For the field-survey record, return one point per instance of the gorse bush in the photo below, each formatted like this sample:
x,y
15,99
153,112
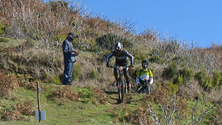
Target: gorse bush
x,y
2,28
208,82
172,70
178,80
173,88
201,76
187,75
216,79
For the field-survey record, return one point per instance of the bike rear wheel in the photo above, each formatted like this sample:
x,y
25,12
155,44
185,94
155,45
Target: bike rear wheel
x,y
121,90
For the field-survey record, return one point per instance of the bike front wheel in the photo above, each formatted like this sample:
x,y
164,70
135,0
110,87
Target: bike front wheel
x,y
121,90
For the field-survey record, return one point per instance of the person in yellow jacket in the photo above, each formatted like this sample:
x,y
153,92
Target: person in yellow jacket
x,y
144,78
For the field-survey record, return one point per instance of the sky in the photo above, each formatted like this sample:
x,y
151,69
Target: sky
x,y
194,21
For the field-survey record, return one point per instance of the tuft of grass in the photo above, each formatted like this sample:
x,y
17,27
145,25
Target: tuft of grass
x,y
56,79
76,71
94,74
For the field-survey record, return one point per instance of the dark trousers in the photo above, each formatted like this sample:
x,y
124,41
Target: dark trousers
x,y
67,75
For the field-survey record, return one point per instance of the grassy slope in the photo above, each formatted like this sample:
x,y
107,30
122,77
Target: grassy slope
x,y
63,111
60,112
70,112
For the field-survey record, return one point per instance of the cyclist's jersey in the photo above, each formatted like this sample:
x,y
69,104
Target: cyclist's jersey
x,y
121,58
144,73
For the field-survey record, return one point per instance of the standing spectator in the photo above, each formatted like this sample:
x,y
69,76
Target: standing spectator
x,y
69,58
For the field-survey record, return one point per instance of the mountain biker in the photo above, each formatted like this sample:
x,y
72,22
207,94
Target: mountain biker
x,y
121,60
144,75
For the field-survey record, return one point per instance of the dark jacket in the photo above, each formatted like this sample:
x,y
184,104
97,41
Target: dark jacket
x,y
121,58
69,55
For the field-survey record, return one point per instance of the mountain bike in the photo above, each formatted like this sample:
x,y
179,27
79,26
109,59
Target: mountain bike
x,y
121,82
144,88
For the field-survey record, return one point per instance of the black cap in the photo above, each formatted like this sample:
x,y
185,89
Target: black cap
x,y
75,36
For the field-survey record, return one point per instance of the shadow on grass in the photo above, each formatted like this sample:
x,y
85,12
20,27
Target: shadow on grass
x,y
113,95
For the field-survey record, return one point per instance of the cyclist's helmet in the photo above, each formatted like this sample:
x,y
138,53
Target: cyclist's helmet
x,y
118,47
145,64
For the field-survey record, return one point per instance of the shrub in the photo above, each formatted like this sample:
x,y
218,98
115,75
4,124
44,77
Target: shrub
x,y
178,80
2,28
216,79
61,36
208,82
3,39
201,76
221,78
172,70
76,72
107,41
139,57
173,88
180,60
155,59
187,75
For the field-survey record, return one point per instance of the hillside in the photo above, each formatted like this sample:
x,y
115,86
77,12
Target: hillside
x,y
31,36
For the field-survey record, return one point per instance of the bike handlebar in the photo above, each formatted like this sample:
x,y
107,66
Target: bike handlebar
x,y
119,66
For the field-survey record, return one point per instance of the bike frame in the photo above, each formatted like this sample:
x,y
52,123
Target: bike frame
x,y
148,88
121,82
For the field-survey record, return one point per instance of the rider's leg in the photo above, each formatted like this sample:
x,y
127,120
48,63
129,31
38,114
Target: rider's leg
x,y
116,75
126,74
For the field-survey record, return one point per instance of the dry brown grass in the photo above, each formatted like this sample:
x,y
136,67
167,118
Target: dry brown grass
x,y
12,115
36,62
63,94
21,108
159,96
26,107
7,84
100,96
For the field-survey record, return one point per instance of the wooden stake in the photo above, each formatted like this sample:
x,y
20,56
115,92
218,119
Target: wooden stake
x,y
38,100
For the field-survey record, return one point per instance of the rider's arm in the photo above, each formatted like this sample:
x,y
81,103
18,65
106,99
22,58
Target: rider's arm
x,y
137,77
151,77
130,56
108,57
151,80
